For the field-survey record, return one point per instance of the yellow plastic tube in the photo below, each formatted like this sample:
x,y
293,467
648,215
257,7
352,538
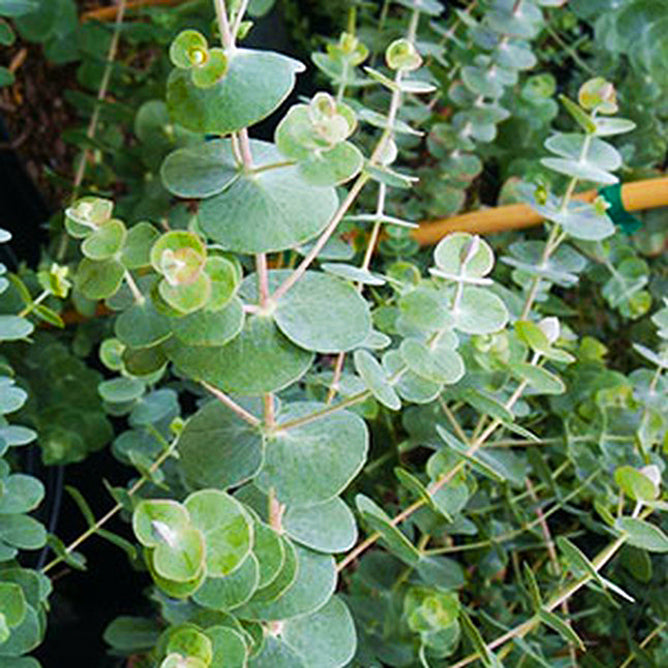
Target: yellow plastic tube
x,y
647,194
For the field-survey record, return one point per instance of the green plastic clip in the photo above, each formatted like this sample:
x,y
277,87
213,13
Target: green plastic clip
x,y
617,213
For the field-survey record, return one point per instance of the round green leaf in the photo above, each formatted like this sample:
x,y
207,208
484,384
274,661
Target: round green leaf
x,y
311,589
425,309
132,633
151,516
256,83
187,297
144,361
333,167
22,531
322,313
259,360
158,406
480,312
324,527
14,327
314,462
352,273
282,579
229,647
228,534
142,326
409,385
279,208
276,654
224,276
579,220
137,250
180,557
121,390
24,638
325,638
375,378
179,590
441,572
99,280
199,171
106,241
439,365
12,603
189,642
218,449
451,253
210,328
606,127
230,591
21,494
270,552
212,70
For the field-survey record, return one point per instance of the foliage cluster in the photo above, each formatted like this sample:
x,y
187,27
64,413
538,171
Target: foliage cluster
x,y
291,378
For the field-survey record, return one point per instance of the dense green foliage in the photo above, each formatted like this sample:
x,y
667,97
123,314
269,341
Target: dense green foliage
x,y
349,450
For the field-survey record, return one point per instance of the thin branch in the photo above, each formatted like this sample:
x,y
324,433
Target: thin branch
x,y
515,533
276,510
239,18
569,49
435,486
244,144
324,238
101,95
134,288
336,378
262,278
269,417
119,506
599,561
231,404
224,24
110,13
655,632
298,422
452,419
526,627
95,118
554,559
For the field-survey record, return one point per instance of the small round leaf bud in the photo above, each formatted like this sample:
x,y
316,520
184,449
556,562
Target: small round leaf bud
x,y
598,94
402,55
189,49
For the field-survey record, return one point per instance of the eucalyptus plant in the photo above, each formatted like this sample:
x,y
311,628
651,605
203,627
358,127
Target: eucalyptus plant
x,y
343,459
24,591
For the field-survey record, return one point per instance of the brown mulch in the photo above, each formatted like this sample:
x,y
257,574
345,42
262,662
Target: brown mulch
x,y
35,113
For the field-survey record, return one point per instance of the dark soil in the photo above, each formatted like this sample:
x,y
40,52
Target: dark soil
x,y
35,115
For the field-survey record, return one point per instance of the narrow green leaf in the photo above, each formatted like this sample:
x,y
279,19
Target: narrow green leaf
x,y
532,585
561,627
414,486
462,451
82,504
643,534
472,633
